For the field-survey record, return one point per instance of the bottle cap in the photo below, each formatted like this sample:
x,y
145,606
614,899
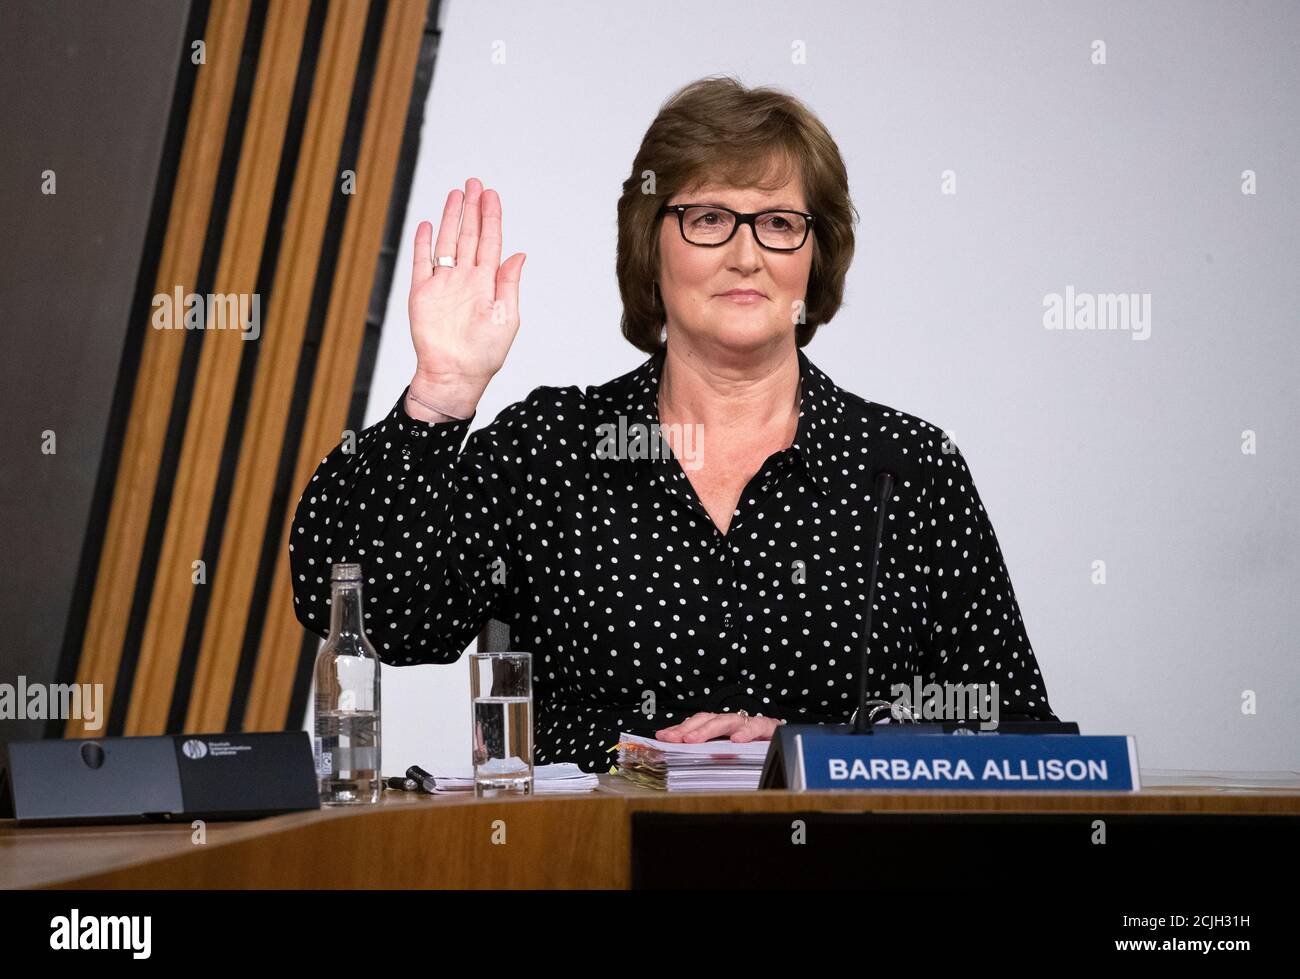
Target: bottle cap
x,y
345,572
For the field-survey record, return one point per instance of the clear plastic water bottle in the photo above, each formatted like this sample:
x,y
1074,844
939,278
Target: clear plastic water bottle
x,y
347,699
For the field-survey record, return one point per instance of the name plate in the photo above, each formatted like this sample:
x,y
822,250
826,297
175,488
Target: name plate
x,y
1034,762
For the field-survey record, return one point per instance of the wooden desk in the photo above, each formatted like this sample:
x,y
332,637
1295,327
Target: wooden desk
x,y
552,841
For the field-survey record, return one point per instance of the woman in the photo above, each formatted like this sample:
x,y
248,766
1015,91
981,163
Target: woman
x,y
716,590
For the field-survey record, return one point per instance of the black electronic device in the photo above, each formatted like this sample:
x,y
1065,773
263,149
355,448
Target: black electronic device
x,y
163,778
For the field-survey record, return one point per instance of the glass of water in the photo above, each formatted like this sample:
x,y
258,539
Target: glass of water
x,y
501,696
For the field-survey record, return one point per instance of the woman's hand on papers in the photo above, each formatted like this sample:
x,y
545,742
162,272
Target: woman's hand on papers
x,y
706,727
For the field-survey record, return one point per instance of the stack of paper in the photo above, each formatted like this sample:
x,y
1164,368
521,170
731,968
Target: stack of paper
x,y
707,766
560,777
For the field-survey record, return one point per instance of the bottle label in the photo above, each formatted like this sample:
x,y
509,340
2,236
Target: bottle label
x,y
356,681
324,759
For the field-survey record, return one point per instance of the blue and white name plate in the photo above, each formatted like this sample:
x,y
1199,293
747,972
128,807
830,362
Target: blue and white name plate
x,y
1008,762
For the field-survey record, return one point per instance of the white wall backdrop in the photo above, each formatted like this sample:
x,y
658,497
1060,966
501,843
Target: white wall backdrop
x,y
1123,177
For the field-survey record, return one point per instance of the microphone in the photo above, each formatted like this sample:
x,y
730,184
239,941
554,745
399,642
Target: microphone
x,y
884,489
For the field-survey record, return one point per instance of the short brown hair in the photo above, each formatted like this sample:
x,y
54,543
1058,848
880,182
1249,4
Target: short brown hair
x,y
716,128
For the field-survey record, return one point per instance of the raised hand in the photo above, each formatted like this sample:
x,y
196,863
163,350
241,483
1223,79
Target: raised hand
x,y
463,318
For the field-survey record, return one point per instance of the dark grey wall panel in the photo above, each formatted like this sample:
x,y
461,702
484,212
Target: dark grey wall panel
x,y
85,91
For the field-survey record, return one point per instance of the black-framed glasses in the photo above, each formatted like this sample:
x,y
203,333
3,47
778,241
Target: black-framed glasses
x,y
711,225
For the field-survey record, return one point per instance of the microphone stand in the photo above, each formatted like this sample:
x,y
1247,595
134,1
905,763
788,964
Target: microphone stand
x,y
782,767
884,490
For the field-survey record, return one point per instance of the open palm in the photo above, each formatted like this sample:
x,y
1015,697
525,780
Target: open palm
x,y
463,319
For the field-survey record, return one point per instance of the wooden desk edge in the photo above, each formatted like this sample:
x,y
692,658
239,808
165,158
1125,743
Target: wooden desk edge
x,y
117,856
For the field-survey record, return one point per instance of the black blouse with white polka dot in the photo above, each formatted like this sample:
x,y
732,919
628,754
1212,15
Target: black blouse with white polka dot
x,y
637,610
